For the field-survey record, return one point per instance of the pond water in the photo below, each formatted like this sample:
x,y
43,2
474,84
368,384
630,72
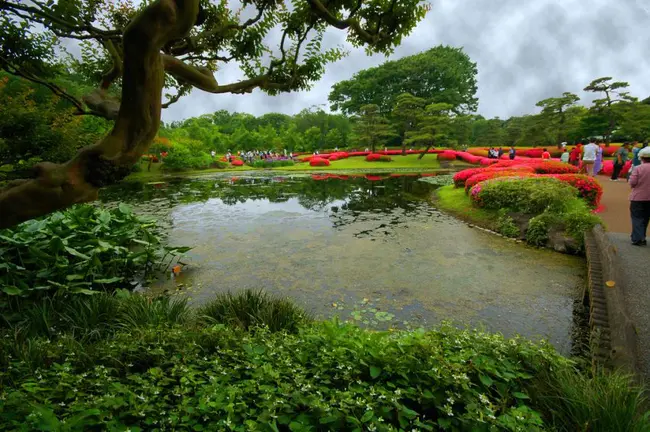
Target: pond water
x,y
372,249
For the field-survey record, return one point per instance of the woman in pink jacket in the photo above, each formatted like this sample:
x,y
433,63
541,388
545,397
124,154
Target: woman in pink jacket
x,y
640,198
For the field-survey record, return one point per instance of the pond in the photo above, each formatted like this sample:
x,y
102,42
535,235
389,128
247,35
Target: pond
x,y
368,248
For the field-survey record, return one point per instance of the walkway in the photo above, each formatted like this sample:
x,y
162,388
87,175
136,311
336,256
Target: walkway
x,y
635,261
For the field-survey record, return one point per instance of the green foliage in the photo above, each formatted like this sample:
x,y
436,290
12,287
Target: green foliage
x,y
507,226
537,232
272,163
527,195
433,126
181,158
601,402
249,309
372,128
322,376
440,75
80,250
35,124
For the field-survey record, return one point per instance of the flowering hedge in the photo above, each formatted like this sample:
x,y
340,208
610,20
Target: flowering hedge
x,y
237,162
588,187
462,176
490,174
447,156
554,168
529,195
318,161
376,157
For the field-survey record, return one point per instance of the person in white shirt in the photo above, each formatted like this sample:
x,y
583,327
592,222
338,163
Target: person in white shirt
x,y
589,153
565,156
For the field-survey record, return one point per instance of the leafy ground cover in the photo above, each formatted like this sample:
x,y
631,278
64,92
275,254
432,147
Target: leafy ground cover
x,y
127,362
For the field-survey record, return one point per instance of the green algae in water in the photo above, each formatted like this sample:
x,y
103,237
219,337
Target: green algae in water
x,y
339,241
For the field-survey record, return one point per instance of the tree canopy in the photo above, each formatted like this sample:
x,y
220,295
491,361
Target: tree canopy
x,y
440,75
168,44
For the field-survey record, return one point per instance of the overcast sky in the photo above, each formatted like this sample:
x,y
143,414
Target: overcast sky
x,y
526,50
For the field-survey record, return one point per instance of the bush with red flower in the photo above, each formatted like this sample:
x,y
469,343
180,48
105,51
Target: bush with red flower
x,y
237,162
375,157
491,174
447,155
462,176
319,161
554,168
588,187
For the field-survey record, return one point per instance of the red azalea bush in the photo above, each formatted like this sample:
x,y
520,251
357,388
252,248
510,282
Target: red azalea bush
x,y
447,156
334,158
610,150
376,157
373,157
491,174
608,168
588,187
237,162
373,177
318,161
478,152
554,168
462,176
534,153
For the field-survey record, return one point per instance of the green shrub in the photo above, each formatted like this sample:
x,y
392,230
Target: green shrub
x,y
507,226
80,250
384,158
218,164
527,195
578,219
249,309
537,232
272,163
182,158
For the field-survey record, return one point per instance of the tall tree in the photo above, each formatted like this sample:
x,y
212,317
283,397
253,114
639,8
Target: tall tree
x,y
405,114
612,96
434,125
372,128
175,44
554,113
442,74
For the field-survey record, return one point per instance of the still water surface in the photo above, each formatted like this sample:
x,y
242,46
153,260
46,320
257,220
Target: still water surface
x,y
339,246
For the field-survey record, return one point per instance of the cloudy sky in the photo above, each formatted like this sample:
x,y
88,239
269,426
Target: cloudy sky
x,y
526,50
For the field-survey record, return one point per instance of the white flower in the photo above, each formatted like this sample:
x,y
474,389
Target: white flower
x,y
483,399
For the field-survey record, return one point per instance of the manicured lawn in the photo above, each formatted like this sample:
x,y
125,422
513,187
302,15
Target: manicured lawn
x,y
427,163
454,201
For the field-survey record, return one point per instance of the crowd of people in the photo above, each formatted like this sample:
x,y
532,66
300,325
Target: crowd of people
x,y
253,155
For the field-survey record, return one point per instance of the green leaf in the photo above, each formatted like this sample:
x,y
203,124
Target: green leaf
x,y
328,419
12,290
83,291
76,253
74,277
486,380
375,371
124,208
520,395
108,280
367,416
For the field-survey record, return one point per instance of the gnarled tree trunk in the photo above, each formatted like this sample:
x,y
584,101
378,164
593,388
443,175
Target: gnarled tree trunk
x,y
57,186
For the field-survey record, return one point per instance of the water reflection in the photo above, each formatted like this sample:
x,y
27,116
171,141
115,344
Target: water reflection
x,y
333,243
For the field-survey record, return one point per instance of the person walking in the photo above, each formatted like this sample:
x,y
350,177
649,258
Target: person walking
x,y
565,156
620,157
598,165
512,153
636,160
640,199
589,157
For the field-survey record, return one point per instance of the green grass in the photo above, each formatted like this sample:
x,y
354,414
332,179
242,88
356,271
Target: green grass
x,y
454,201
427,163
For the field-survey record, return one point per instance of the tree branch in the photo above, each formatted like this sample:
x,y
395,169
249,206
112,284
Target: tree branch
x,y
321,11
109,160
14,70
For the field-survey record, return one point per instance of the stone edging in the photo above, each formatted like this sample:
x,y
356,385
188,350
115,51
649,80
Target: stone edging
x,y
612,335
